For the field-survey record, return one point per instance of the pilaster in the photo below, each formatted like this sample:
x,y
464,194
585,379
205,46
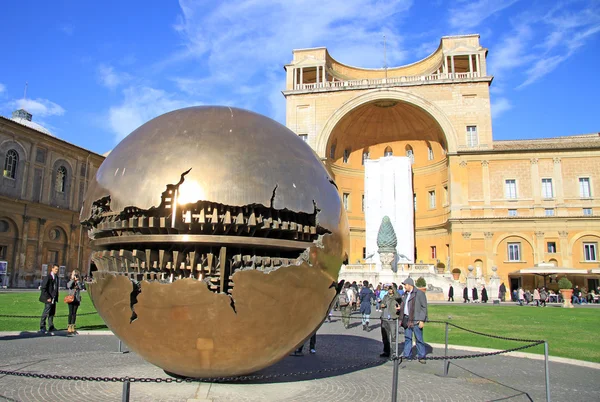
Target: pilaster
x,y
535,181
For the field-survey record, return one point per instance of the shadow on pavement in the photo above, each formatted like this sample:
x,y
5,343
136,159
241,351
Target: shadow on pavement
x,y
336,355
32,334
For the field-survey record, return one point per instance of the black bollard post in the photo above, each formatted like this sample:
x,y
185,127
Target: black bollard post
x,y
547,371
126,388
446,363
395,372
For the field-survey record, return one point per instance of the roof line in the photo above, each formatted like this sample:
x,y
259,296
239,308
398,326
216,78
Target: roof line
x,y
50,136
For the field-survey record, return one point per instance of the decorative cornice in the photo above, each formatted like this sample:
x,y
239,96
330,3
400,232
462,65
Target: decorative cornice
x,y
539,234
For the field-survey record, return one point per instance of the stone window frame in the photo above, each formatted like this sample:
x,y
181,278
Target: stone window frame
x,y
516,246
62,175
430,154
588,180
513,212
472,135
590,250
587,211
410,153
346,200
431,196
506,192
11,164
547,184
551,247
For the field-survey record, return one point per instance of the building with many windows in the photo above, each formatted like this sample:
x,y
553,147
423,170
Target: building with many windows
x,y
519,206
42,186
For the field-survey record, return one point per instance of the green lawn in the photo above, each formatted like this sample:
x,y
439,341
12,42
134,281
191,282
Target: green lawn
x,y
572,333
27,303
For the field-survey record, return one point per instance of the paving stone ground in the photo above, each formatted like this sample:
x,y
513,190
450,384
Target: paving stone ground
x,y
483,379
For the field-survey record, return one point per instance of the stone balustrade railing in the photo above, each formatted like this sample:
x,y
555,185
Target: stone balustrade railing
x,y
386,81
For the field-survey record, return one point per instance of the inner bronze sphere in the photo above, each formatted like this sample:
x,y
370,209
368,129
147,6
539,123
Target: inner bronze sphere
x,y
218,236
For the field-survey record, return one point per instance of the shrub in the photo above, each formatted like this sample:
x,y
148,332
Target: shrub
x,y
421,283
564,283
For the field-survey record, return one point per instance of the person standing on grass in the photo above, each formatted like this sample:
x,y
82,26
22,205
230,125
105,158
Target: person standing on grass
x,y
475,296
536,297
49,296
465,295
451,293
75,286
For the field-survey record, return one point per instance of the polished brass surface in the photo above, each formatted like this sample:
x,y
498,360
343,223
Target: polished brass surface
x,y
218,236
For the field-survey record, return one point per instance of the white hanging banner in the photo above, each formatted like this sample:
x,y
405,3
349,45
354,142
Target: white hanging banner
x,y
389,191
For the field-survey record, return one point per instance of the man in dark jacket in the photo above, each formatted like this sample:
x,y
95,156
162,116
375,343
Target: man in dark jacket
x,y
484,295
465,295
413,311
451,293
49,296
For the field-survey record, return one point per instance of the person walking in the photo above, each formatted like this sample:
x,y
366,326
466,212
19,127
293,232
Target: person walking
x,y
378,294
475,296
312,345
389,319
484,295
451,293
465,295
543,297
366,298
536,297
49,296
520,296
75,286
414,314
502,292
345,301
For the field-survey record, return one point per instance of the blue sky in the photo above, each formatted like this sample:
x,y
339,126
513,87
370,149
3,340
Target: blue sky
x,y
98,70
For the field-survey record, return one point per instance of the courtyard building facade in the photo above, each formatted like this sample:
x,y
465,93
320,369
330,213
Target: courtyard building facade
x,y
481,206
43,183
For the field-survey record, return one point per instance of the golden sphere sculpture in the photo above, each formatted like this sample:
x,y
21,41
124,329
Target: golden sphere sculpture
x,y
217,235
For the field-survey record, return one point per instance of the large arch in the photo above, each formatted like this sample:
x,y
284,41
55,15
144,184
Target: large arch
x,y
388,94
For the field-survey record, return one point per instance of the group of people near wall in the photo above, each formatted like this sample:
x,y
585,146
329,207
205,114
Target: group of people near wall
x,y
403,305
49,295
474,294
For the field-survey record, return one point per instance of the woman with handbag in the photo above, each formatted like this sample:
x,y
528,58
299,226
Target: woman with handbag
x,y
74,287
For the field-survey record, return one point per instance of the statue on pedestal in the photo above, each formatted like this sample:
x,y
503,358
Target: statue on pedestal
x,y
386,244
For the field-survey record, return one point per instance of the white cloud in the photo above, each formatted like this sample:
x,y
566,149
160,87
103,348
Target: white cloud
x,y
141,104
111,78
241,44
2,88
499,106
37,107
468,16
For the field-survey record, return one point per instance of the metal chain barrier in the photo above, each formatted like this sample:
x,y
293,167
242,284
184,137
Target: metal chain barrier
x,y
244,378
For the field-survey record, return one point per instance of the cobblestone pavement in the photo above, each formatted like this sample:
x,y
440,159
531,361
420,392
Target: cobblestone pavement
x,y
482,379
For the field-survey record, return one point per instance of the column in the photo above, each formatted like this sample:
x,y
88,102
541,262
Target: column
x,y
489,245
317,72
485,177
482,64
324,80
477,65
535,182
445,65
72,241
538,254
22,251
565,253
295,70
40,245
558,181
301,75
471,65
452,64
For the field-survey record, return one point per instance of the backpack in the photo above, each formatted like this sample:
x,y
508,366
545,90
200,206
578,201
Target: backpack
x,y
344,301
